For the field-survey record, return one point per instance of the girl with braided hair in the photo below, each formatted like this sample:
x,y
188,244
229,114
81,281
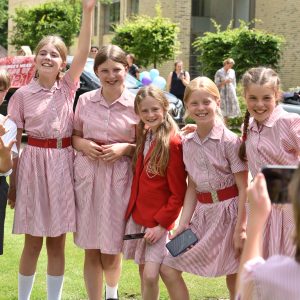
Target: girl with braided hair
x,y
271,136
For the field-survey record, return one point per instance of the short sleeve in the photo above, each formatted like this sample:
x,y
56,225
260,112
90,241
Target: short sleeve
x,y
78,123
16,108
217,77
232,149
295,133
69,86
247,288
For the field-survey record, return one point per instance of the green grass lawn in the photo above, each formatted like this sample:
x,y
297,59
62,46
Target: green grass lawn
x,y
129,287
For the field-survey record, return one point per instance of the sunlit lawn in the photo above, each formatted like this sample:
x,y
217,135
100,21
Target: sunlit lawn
x,y
200,288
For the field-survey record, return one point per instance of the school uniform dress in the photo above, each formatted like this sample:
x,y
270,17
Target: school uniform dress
x,y
211,164
276,278
45,203
275,142
154,200
102,189
6,138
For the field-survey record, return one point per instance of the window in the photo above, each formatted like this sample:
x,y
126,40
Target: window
x,y
201,8
112,15
134,7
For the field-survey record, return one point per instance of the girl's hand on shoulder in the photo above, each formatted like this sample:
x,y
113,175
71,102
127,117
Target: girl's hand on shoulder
x,y
91,149
188,129
259,202
239,238
111,153
154,234
178,230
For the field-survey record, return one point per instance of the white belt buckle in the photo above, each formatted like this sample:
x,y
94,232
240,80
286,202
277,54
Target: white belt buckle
x,y
59,143
214,196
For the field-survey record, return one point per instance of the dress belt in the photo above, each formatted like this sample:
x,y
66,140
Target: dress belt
x,y
219,195
49,143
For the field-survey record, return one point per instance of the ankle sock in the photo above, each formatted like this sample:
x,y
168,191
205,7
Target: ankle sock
x,y
111,292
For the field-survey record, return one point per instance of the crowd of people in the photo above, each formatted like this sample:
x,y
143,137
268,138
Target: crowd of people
x,y
126,168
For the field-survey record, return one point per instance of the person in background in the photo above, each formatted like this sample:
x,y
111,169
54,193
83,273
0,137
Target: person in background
x,y
133,68
24,51
177,80
8,149
226,83
277,277
93,51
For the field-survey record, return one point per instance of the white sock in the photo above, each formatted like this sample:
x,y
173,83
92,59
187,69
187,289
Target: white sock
x,y
111,292
54,287
25,284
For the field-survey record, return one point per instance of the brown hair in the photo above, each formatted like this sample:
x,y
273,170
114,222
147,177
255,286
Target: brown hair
x,y
294,193
58,43
176,63
259,76
160,156
111,52
206,84
4,79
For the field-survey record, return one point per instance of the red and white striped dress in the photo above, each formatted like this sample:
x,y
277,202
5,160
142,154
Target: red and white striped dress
x,y
276,278
211,164
275,142
102,189
45,204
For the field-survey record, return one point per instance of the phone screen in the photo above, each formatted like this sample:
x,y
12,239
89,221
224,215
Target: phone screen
x,y
278,179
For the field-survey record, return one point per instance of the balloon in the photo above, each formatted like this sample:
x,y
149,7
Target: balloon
x,y
154,73
143,74
159,82
146,80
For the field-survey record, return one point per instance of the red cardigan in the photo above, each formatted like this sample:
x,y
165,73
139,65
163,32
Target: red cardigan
x,y
158,200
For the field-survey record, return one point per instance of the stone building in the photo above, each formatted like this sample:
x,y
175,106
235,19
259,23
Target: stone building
x,y
193,17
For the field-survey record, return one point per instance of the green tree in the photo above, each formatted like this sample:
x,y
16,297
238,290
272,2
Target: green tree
x,y
54,18
152,40
3,22
248,47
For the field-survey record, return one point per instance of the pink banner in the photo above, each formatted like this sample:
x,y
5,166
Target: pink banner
x,y
20,68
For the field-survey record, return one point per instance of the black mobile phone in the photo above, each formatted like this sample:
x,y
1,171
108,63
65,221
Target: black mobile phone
x,y
278,179
134,236
182,242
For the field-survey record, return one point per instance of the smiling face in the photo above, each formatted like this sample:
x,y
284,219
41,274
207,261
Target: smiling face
x,y
261,101
111,74
202,107
151,112
49,61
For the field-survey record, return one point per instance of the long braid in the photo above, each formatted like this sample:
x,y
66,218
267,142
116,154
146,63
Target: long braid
x,y
242,151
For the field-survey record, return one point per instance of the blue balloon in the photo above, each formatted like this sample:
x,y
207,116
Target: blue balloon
x,y
159,82
146,80
154,73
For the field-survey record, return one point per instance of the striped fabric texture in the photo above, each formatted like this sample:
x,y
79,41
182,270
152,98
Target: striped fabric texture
x,y
276,278
211,164
102,189
42,209
275,142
